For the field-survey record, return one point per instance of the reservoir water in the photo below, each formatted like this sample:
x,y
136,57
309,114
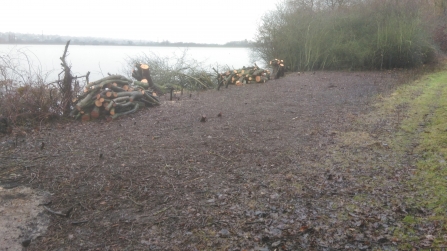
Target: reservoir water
x,y
100,60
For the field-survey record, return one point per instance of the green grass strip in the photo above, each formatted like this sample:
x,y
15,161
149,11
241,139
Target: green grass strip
x,y
423,128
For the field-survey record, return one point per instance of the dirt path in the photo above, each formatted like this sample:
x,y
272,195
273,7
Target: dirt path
x,y
289,165
22,219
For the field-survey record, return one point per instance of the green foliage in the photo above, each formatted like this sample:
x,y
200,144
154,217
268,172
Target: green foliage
x,y
362,35
409,220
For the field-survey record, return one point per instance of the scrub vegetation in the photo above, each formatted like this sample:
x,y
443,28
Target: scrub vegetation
x,y
353,34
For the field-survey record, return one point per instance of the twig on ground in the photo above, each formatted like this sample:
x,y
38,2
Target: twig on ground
x,y
213,153
192,180
78,222
33,176
130,198
173,187
59,213
46,203
83,206
161,211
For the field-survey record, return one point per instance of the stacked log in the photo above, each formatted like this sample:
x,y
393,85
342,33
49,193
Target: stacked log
x,y
278,68
142,74
114,96
246,75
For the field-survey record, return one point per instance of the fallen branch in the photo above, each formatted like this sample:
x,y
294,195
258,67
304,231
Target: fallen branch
x,y
135,108
59,213
130,198
78,222
197,80
161,211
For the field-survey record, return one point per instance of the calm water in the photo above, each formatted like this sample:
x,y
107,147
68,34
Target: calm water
x,y
100,60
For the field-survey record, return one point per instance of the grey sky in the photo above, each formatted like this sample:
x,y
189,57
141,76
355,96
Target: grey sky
x,y
200,21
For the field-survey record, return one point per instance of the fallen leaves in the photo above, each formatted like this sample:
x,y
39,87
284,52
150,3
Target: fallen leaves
x,y
266,179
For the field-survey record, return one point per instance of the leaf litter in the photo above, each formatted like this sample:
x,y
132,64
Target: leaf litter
x,y
288,165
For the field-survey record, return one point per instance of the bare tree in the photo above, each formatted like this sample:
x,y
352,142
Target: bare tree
x,y
66,85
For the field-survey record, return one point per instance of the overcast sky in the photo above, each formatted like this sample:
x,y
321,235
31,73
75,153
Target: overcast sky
x,y
200,21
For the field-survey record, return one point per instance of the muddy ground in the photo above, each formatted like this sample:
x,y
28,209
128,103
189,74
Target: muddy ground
x,y
297,163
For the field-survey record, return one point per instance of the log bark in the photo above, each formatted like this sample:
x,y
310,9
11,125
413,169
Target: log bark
x,y
116,89
111,77
85,117
121,99
132,95
98,103
102,94
260,79
145,73
95,113
110,106
229,80
134,109
66,88
74,113
107,83
124,105
240,81
258,72
87,101
136,76
220,79
149,85
152,99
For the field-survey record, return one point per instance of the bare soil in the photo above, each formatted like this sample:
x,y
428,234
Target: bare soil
x,y
289,165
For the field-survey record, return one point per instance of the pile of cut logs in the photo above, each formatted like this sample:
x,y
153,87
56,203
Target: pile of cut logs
x,y
116,95
278,68
245,75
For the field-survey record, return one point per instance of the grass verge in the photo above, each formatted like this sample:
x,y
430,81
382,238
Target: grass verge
x,y
419,111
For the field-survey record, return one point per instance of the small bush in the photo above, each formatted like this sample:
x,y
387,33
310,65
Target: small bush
x,y
178,72
30,103
25,98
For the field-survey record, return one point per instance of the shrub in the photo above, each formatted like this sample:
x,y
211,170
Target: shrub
x,y
25,98
30,103
357,35
178,72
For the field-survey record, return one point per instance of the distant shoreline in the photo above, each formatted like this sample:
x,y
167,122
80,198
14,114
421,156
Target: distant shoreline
x,y
136,45
40,39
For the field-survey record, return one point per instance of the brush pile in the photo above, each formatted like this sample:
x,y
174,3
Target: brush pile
x,y
116,95
246,75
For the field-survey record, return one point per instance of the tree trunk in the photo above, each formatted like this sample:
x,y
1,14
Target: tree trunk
x,y
66,88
